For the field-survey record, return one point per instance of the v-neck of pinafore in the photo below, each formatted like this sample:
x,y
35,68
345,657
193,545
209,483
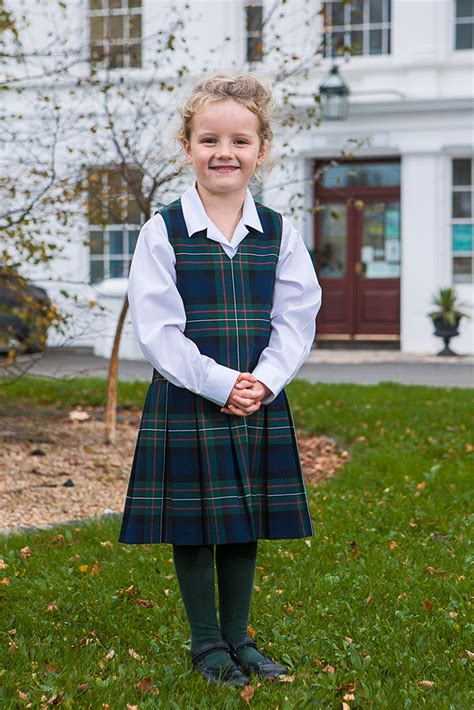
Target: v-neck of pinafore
x,y
230,248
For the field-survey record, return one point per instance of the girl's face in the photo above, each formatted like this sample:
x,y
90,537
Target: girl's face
x,y
224,148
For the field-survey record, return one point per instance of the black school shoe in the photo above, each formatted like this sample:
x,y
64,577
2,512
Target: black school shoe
x,y
229,675
266,669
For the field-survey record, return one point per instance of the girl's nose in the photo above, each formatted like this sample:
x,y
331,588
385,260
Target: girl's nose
x,y
224,151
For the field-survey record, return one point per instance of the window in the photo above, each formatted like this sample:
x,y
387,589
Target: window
x,y
115,33
361,27
254,26
462,223
464,24
114,222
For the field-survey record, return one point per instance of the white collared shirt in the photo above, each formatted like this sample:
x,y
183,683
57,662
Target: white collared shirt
x,y
159,317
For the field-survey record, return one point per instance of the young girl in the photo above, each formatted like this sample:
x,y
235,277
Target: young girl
x,y
223,299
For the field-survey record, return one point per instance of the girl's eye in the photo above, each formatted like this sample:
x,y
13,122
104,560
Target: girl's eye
x,y
208,140
241,141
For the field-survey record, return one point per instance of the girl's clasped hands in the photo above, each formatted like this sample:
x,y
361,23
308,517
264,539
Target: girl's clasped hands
x,y
246,396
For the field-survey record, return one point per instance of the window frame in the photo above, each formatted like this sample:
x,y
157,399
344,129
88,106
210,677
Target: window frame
x,y
365,27
105,227
253,37
126,44
460,221
468,20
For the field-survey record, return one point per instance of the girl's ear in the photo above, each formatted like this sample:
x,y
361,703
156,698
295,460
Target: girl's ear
x,y
187,150
262,153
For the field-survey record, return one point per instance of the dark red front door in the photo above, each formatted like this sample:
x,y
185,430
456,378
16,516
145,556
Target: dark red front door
x,y
357,251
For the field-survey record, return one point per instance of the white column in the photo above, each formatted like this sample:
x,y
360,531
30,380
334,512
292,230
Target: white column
x,y
420,206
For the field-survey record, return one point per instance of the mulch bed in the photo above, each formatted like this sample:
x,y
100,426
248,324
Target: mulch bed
x,y
56,467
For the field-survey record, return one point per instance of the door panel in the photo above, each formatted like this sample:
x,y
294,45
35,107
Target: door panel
x,y
332,267
357,225
378,285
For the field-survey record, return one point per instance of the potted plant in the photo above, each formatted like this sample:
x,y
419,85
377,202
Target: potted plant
x,y
446,317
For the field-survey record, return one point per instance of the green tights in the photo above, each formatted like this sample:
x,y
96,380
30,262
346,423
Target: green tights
x,y
235,565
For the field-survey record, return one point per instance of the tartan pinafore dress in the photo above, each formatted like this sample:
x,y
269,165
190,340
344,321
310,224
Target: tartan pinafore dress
x,y
201,477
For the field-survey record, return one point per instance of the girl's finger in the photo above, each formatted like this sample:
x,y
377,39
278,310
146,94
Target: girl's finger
x,y
243,401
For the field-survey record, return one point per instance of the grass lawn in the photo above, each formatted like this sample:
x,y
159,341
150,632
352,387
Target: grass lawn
x,y
373,607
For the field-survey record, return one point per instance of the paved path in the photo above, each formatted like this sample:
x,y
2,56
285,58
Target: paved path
x,y
361,367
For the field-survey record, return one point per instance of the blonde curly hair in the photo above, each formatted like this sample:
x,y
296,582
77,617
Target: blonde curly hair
x,y
245,89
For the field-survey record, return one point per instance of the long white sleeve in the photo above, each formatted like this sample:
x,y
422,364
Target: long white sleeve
x,y
296,302
159,319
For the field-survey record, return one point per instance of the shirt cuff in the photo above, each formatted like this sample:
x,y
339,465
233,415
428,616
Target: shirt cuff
x,y
272,378
219,384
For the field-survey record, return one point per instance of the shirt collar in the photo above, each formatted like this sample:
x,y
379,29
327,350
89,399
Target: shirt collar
x,y
197,220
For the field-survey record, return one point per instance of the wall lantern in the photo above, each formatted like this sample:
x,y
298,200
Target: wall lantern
x,y
334,95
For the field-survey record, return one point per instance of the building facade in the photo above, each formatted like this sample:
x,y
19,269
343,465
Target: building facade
x,y
384,198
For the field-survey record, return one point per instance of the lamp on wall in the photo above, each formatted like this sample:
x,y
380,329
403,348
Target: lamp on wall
x,y
334,95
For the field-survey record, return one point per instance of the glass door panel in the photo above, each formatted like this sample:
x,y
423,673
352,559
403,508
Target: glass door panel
x,y
380,254
333,249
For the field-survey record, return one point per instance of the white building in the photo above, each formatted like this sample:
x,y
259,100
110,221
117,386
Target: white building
x,y
404,202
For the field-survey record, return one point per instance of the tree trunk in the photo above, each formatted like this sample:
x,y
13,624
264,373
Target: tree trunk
x,y
112,379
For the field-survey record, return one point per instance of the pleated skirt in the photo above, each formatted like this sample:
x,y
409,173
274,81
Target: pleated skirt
x,y
201,477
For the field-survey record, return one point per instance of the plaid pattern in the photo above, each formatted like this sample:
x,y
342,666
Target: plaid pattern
x,y
200,476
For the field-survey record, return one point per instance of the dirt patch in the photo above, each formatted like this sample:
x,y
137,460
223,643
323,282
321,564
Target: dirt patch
x,y
55,469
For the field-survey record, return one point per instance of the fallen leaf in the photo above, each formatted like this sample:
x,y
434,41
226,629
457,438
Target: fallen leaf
x,y
429,606
3,564
469,654
401,597
95,569
82,687
421,486
148,603
105,706
348,639
349,687
22,695
247,693
145,684
251,632
55,699
425,683
369,599
5,581
393,544
88,639
453,614
51,607
12,647
349,696
345,706
25,552
328,669
77,415
286,678
107,543
166,592
51,667
288,608
110,654
134,654
132,707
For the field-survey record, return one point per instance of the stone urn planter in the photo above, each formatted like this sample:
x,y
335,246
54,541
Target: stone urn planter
x,y
446,317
